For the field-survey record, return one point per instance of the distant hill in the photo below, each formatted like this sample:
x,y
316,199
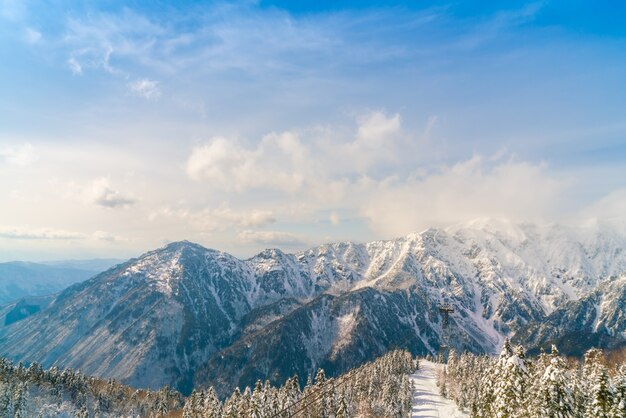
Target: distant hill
x,y
95,264
19,279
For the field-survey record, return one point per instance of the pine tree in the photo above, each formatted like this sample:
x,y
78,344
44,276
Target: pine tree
x,y
231,406
536,371
211,405
486,395
579,396
596,385
600,395
243,409
442,378
19,400
188,411
342,407
160,406
618,407
6,392
555,396
511,384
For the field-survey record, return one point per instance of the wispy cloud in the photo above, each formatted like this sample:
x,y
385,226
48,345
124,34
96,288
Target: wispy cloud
x,y
107,236
25,233
217,219
74,66
148,89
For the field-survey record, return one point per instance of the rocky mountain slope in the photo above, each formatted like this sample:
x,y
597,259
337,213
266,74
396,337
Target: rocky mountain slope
x,y
596,320
185,315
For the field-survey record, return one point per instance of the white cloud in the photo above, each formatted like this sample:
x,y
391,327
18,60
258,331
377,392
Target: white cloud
x,y
21,156
377,142
270,238
334,218
74,66
288,163
146,88
278,162
101,193
26,233
376,126
610,207
461,192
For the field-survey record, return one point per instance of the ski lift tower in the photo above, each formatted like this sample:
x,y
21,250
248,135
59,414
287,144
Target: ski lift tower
x,y
445,310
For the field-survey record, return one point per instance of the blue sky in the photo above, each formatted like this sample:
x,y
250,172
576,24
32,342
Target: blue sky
x,y
245,125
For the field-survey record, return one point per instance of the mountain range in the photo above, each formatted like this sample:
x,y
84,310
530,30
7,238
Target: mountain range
x,y
188,316
20,279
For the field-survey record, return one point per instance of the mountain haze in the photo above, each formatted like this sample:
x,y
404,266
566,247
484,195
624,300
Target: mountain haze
x,y
20,279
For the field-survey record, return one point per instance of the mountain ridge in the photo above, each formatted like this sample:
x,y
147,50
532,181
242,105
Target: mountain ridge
x,y
164,317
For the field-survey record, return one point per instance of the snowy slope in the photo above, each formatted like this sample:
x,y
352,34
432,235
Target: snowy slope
x,y
597,319
427,402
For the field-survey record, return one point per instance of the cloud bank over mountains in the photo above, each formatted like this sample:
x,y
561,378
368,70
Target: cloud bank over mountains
x,y
245,125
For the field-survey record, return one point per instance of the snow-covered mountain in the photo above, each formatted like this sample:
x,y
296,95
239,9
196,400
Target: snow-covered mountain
x,y
185,315
596,319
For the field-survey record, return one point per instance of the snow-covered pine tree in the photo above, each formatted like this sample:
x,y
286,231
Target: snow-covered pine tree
x,y
555,398
511,384
6,392
342,408
188,411
442,381
211,405
600,397
256,401
19,400
618,407
161,407
486,398
579,397
231,406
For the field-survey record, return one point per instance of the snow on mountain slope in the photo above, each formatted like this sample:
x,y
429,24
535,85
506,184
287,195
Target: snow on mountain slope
x,y
597,319
175,315
335,333
147,322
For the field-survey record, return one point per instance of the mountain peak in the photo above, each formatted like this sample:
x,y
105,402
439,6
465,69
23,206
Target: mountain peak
x,y
179,245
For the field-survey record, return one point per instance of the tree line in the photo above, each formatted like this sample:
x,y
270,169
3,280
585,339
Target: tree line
x,y
380,388
377,389
34,392
548,386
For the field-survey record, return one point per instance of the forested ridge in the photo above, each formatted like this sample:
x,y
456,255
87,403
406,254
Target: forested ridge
x,y
548,386
379,388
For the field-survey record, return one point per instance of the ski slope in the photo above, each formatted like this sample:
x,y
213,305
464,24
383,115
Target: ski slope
x,y
427,402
